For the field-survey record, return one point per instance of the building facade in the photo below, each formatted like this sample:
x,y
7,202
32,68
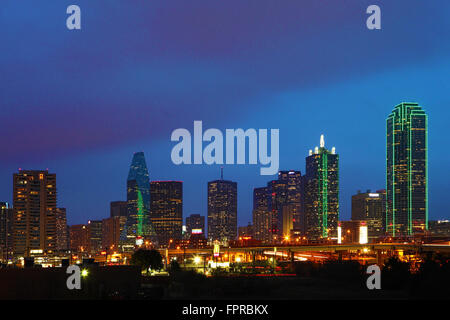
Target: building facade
x,y
370,207
94,228
118,209
322,192
406,170
112,227
222,210
195,222
79,238
62,231
264,220
138,225
166,210
286,203
6,222
246,231
34,203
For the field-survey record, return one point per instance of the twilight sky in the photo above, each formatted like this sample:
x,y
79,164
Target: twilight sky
x,y
81,102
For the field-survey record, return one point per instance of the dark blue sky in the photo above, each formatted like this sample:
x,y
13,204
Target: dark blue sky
x,y
81,102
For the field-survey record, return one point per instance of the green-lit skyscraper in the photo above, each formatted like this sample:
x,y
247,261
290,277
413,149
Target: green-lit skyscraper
x,y
406,170
322,192
138,225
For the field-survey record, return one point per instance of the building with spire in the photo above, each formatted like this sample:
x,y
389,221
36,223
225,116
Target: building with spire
x,y
406,170
321,192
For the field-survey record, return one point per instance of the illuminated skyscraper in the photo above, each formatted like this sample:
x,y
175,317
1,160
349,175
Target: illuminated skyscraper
x,y
94,229
6,221
264,220
166,210
79,238
322,192
34,203
222,210
406,170
138,202
112,227
62,231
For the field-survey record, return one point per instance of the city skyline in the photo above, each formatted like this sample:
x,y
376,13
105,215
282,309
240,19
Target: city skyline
x,y
140,187
139,157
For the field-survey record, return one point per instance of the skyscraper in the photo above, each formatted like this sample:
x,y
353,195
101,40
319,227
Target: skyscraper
x,y
406,170
138,202
79,238
6,221
370,207
285,201
322,192
112,227
62,232
264,220
166,210
94,229
222,210
34,203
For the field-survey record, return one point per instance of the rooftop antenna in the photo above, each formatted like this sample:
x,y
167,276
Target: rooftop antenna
x,y
221,173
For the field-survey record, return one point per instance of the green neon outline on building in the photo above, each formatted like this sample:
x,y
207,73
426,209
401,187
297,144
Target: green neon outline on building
x,y
140,213
403,120
325,194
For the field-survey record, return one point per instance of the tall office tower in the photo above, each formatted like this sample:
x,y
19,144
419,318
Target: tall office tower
x,y
94,228
138,202
118,209
195,222
112,227
406,170
277,193
369,207
166,210
6,221
79,238
222,210
264,220
285,202
322,192
62,234
34,203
